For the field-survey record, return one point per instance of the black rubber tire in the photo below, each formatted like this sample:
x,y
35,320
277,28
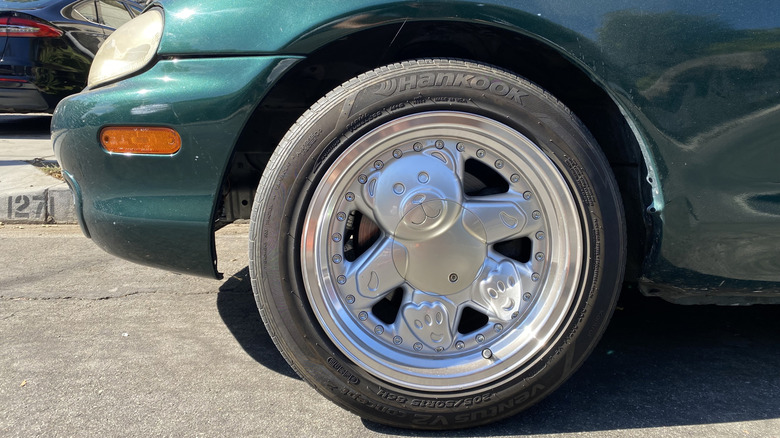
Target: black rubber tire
x,y
347,113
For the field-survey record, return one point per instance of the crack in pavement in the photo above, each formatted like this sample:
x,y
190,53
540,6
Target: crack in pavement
x,y
77,298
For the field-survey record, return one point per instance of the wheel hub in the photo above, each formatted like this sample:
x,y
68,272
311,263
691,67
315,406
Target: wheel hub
x,y
438,245
448,258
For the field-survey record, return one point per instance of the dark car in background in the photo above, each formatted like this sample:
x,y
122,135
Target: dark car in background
x,y
46,47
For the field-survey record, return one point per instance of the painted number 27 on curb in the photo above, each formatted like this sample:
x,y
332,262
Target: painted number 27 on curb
x,y
23,206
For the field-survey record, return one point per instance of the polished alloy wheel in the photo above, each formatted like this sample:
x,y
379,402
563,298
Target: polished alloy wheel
x,y
436,244
441,251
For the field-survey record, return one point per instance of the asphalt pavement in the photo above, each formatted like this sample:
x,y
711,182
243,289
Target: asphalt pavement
x,y
94,346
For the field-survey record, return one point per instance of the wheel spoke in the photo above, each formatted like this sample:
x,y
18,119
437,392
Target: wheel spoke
x,y
502,215
366,208
431,319
501,288
453,158
373,274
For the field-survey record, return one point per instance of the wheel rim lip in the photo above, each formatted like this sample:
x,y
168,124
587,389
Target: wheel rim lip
x,y
518,348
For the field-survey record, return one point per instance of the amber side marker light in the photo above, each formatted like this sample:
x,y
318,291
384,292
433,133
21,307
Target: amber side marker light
x,y
140,140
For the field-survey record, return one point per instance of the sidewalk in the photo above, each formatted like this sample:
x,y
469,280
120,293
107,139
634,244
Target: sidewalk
x,y
27,194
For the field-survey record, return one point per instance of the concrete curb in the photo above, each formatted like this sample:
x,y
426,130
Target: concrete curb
x,y
28,196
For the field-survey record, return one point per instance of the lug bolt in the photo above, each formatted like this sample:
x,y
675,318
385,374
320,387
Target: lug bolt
x,y
453,277
499,164
527,195
497,328
417,346
535,276
378,164
363,316
480,153
341,279
526,297
398,153
350,299
362,179
418,147
349,196
480,338
459,345
423,177
487,354
398,188
539,256
341,216
515,178
337,258
439,144
536,214
439,349
540,235
336,237
379,329
460,147
516,314
397,340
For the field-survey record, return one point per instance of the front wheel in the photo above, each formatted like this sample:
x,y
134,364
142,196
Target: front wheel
x,y
436,244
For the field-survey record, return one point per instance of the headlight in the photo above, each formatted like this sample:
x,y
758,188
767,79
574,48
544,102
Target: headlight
x,y
128,49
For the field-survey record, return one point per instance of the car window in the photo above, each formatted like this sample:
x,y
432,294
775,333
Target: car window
x,y
113,13
85,11
135,6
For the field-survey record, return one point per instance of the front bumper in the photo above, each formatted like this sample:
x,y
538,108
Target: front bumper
x,y
159,210
21,97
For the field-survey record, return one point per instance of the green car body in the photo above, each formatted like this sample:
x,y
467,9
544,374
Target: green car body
x,y
445,196
685,101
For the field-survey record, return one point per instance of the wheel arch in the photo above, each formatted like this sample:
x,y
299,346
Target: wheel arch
x,y
524,54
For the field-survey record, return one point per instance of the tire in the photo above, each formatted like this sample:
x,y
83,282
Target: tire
x,y
436,244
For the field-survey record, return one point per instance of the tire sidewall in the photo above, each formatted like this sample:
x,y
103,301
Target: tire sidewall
x,y
352,110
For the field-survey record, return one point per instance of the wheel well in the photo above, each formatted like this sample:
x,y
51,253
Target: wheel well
x,y
363,51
